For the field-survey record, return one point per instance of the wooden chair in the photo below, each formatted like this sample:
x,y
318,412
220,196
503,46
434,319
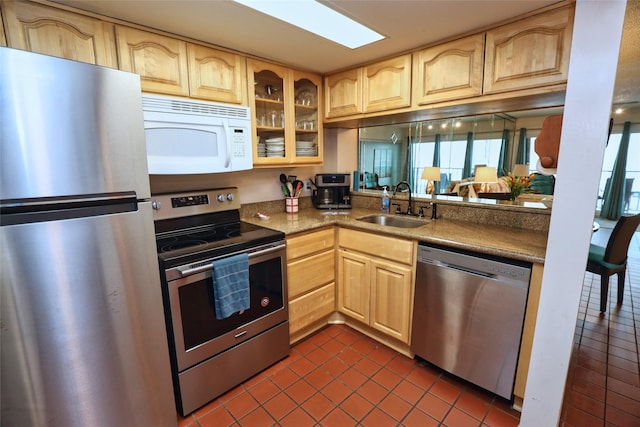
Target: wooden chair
x,y
612,259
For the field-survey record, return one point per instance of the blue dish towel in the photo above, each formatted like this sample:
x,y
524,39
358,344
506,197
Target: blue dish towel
x,y
231,285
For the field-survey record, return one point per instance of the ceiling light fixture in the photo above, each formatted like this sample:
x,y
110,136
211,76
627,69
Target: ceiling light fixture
x,y
318,19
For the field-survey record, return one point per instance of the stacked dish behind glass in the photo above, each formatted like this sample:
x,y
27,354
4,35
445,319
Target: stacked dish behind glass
x,y
275,147
306,148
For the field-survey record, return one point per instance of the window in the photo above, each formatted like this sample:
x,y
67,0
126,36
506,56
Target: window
x,y
632,196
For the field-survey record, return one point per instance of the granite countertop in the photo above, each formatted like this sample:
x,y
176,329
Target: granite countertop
x,y
515,243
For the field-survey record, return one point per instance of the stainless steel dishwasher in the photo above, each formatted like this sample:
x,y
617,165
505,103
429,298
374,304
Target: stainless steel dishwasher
x,y
468,315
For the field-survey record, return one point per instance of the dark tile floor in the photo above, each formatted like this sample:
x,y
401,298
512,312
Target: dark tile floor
x,y
339,377
603,388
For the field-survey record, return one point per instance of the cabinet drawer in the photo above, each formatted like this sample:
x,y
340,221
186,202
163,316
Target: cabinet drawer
x,y
311,307
392,248
311,272
308,243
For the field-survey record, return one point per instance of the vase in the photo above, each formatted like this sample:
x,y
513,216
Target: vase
x,y
514,193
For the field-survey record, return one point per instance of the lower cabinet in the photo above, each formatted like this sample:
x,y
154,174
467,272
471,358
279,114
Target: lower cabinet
x,y
376,281
310,280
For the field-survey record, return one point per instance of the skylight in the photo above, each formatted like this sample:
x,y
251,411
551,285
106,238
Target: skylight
x,y
318,19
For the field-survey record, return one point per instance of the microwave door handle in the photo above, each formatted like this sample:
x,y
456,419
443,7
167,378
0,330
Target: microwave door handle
x,y
228,137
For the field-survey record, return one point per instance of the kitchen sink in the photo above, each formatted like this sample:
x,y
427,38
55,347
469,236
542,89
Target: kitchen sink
x,y
393,221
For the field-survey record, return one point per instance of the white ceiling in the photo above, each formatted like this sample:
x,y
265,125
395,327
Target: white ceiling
x,y
407,24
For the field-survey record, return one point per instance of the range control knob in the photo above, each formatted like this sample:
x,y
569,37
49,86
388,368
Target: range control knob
x,y
155,205
230,197
220,198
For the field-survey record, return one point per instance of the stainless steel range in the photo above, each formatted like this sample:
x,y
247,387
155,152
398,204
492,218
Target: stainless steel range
x,y
210,355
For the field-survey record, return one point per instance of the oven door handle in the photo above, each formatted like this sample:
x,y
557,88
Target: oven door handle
x,y
199,269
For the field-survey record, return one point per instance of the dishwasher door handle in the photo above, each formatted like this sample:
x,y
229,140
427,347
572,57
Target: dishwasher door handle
x,y
458,268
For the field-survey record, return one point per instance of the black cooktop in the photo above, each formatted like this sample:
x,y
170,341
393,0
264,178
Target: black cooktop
x,y
200,237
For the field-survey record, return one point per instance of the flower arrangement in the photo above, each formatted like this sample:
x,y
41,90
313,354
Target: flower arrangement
x,y
517,184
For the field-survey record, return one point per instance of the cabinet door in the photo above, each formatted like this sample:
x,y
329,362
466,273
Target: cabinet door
x,y
215,75
353,285
343,93
41,29
387,84
268,94
307,118
391,299
529,53
449,71
160,61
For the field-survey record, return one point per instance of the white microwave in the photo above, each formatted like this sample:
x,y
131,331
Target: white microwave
x,y
186,136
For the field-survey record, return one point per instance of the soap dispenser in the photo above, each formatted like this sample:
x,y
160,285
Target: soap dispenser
x,y
385,200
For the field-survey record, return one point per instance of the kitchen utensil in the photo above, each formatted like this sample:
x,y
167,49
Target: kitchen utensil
x,y
285,190
290,189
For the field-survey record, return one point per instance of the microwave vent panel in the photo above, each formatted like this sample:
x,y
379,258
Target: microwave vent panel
x,y
185,106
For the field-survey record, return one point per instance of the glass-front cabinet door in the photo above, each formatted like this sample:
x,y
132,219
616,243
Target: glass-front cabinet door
x,y
269,112
285,108
308,122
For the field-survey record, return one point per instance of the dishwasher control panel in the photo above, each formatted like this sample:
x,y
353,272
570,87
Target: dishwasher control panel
x,y
476,263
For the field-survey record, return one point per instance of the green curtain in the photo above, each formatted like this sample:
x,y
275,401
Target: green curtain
x,y
503,166
468,157
436,161
522,156
613,203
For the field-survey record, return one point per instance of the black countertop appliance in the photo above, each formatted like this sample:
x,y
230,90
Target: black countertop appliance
x,y
332,191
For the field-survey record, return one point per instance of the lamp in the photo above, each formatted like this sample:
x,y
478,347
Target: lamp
x,y
484,175
431,174
520,170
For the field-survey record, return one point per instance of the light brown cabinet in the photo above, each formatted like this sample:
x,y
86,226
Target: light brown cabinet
x,y
215,75
174,67
286,105
310,280
343,93
160,61
376,281
529,53
41,29
448,71
307,116
387,84
375,87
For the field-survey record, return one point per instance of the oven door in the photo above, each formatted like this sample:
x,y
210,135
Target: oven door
x,y
198,335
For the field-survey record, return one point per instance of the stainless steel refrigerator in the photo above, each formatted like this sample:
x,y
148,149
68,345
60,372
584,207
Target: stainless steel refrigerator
x,y
83,338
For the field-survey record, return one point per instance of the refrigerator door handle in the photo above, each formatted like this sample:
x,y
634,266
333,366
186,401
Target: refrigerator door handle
x,y
90,199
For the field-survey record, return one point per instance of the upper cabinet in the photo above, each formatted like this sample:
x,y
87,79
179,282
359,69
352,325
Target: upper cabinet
x,y
55,32
375,87
448,71
160,61
387,84
285,105
529,53
216,75
307,117
343,93
174,67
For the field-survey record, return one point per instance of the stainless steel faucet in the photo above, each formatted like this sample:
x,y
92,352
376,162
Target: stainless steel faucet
x,y
405,183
